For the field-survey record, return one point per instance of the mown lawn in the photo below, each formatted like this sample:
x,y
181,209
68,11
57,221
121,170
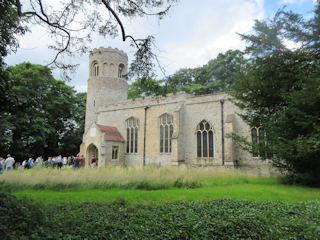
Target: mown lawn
x,y
251,192
155,203
151,184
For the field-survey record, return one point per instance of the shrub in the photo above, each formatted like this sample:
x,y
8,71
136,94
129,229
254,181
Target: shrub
x,y
221,219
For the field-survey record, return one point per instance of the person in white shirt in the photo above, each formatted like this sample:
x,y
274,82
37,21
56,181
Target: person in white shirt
x,y
9,163
24,163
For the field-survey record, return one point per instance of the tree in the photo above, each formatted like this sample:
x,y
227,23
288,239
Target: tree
x,y
70,24
10,28
218,74
41,114
279,90
72,137
215,76
182,77
146,87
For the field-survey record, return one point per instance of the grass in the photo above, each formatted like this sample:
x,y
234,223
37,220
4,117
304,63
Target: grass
x,y
252,192
151,184
116,177
155,203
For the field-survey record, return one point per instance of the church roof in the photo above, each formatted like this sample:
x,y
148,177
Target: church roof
x,y
112,133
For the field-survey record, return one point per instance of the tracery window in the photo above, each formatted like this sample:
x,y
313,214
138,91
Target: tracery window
x,y
258,141
121,71
166,131
132,125
95,69
115,150
204,140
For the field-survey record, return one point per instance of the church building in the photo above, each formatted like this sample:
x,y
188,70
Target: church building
x,y
179,129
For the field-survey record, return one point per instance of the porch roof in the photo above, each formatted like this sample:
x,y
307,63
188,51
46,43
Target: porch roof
x,y
111,133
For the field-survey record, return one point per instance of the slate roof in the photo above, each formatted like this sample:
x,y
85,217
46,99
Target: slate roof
x,y
111,133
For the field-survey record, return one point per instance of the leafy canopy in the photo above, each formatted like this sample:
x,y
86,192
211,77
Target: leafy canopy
x,y
44,115
279,90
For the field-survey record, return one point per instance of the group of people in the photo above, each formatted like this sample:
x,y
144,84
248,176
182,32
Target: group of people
x,y
61,162
6,164
54,162
30,163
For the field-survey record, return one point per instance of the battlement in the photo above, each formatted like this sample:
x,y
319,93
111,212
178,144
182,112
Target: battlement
x,y
101,50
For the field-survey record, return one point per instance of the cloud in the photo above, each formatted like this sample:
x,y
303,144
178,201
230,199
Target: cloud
x,y
192,34
211,29
284,2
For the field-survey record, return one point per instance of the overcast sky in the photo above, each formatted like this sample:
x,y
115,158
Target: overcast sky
x,y
194,32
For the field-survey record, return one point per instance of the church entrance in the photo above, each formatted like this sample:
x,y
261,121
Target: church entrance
x,y
92,155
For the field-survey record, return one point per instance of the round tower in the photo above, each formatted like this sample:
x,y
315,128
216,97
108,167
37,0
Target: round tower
x,y
107,81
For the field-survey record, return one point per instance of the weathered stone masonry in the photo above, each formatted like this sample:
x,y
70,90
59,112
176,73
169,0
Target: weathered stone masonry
x,y
161,131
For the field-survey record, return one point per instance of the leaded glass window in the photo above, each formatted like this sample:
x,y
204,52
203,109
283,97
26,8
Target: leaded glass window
x,y
166,131
132,125
205,140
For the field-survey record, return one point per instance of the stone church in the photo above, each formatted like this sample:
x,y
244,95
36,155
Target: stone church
x,y
179,129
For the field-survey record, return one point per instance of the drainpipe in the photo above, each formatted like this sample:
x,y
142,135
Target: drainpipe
x,y
144,134
222,130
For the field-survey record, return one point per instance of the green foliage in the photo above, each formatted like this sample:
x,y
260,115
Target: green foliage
x,y
182,77
215,76
20,219
218,74
10,28
43,116
279,90
221,219
146,87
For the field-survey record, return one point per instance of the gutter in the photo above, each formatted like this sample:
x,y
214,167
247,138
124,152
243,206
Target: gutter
x,y
144,134
222,129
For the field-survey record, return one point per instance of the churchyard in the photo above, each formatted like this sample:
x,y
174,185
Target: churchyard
x,y
156,203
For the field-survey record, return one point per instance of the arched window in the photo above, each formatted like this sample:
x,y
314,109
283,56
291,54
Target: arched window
x,y
105,69
95,69
121,71
258,141
132,125
204,140
166,131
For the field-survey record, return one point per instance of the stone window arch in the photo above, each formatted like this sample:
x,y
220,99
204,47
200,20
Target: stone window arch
x,y
166,131
132,125
105,69
95,69
205,140
258,141
121,72
112,70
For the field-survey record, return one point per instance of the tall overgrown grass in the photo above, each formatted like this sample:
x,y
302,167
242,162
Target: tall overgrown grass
x,y
128,178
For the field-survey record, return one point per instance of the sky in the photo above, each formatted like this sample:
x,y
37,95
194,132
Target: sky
x,y
194,32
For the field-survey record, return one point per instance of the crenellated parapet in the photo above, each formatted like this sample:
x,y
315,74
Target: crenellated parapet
x,y
102,50
107,81
108,62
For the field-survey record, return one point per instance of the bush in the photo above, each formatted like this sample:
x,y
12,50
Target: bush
x,y
221,219
20,219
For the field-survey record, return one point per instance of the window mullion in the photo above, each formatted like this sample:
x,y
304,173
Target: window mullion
x,y
164,138
208,150
134,139
201,144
